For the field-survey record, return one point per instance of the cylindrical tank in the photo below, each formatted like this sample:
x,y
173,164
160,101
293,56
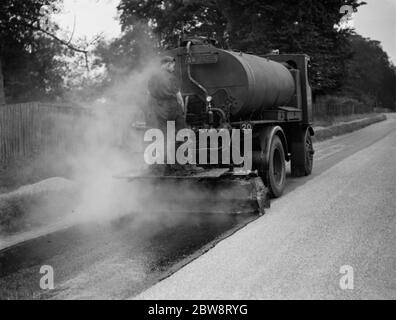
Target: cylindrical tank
x,y
246,82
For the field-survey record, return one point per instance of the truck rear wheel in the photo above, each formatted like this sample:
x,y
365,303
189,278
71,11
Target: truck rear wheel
x,y
275,176
302,156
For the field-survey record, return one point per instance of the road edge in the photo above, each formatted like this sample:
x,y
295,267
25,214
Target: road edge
x,y
346,127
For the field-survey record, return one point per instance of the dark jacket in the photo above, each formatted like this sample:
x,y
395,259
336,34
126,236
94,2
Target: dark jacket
x,y
163,87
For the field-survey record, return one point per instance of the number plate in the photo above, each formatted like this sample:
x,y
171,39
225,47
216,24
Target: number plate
x,y
207,58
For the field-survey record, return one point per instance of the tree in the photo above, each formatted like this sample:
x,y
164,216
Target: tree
x,y
2,93
370,75
169,19
30,50
129,52
388,89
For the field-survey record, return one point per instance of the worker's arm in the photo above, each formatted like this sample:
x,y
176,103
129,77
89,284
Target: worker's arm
x,y
179,98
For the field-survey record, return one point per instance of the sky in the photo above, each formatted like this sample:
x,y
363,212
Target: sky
x,y
376,20
88,18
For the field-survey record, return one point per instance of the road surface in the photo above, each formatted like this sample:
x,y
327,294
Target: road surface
x,y
343,216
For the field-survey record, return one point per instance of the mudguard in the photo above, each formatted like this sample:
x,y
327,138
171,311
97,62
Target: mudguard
x,y
266,135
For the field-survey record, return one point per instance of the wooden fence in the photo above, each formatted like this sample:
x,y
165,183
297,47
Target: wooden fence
x,y
30,128
337,107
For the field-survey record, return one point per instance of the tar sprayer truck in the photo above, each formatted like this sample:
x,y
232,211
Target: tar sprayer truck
x,y
268,95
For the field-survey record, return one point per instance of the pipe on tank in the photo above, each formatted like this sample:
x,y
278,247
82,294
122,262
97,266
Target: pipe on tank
x,y
208,98
189,73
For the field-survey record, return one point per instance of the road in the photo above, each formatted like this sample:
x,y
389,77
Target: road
x,y
342,215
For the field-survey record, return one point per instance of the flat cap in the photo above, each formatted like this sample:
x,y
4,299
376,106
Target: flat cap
x,y
167,59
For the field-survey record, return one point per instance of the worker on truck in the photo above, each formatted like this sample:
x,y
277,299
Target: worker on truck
x,y
165,100
165,104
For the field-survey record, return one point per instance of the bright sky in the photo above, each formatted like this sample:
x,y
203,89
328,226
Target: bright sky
x,y
376,20
91,17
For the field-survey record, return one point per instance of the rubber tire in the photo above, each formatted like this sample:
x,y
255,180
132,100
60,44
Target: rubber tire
x,y
276,185
302,156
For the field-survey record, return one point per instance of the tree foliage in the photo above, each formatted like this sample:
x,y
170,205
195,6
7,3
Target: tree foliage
x,y
129,52
169,19
369,74
28,51
19,19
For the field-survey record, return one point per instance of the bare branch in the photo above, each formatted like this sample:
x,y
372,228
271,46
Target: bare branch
x,y
63,42
74,29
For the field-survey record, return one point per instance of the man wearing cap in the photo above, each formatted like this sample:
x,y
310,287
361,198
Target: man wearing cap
x,y
165,104
165,101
